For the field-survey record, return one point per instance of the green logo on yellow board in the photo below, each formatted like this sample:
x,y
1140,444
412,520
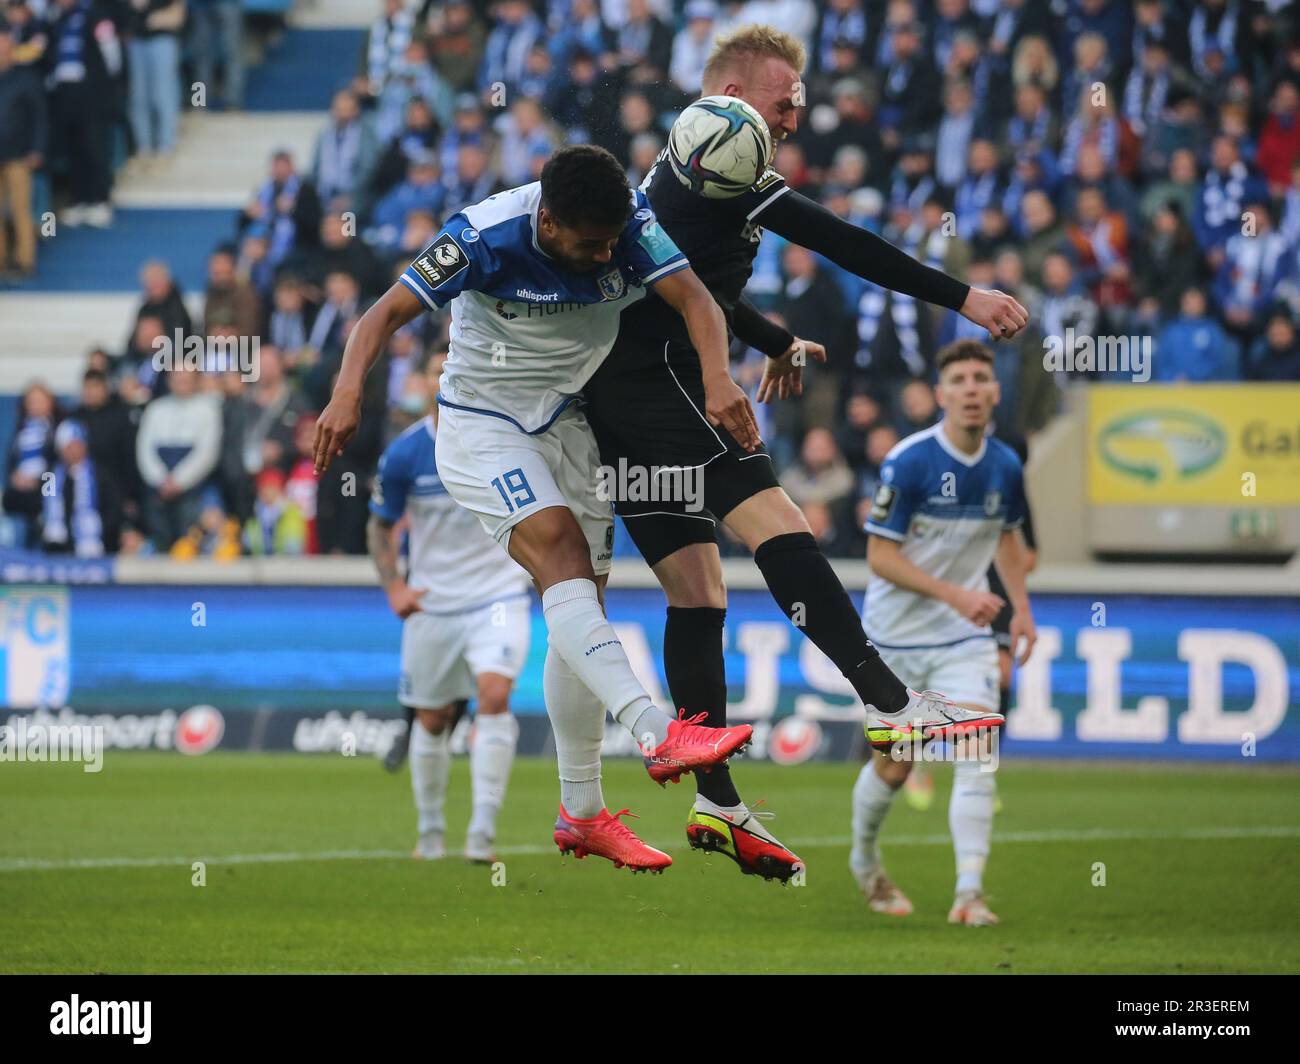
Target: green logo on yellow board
x,y
1162,445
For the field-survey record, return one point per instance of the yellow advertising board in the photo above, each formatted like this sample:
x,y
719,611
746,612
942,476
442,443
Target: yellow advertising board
x,y
1194,444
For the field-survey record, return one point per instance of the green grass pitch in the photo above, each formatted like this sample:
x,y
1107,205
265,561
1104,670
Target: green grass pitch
x,y
1201,866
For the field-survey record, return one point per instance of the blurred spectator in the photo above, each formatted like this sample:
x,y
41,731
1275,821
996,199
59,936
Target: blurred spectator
x,y
1228,187
284,212
229,301
419,134
523,135
1194,347
177,449
154,75
23,134
822,477
160,298
410,78
693,42
641,40
1279,141
385,44
1099,238
241,456
80,514
1043,235
85,58
276,526
1167,261
269,440
422,190
1067,309
31,456
1275,356
909,95
1033,63
110,429
1180,186
338,251
455,42
980,188
471,180
345,152
301,485
1254,265
217,29
917,408
516,30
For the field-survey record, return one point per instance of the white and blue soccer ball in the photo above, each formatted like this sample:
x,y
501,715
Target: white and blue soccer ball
x,y
719,146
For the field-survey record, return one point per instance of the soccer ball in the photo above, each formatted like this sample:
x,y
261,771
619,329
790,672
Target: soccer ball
x,y
719,146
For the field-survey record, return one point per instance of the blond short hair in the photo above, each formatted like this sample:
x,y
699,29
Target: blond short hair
x,y
745,44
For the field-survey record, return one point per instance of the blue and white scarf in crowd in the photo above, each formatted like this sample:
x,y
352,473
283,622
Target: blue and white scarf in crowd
x,y
280,226
1220,38
929,248
1144,99
340,151
388,41
1107,142
69,54
31,443
87,530
1223,195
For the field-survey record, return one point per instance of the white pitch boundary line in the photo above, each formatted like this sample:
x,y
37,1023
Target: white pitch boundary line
x,y
20,864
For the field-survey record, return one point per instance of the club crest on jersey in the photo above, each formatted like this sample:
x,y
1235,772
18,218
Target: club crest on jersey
x,y
612,285
992,501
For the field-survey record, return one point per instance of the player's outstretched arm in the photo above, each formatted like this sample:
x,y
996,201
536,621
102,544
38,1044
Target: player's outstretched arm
x,y
339,420
1012,565
808,224
888,562
726,403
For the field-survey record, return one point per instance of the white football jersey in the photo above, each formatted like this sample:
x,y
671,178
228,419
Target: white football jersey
x,y
526,331
947,510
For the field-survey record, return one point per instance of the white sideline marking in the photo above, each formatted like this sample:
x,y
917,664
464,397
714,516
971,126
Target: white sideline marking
x,y
21,864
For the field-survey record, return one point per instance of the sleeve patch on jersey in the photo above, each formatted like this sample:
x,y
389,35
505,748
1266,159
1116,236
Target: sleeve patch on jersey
x,y
770,177
441,261
657,244
882,503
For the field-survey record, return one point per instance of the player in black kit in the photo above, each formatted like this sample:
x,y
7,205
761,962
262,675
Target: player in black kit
x,y
650,406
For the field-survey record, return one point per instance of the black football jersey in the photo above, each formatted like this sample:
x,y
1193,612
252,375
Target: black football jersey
x,y
719,236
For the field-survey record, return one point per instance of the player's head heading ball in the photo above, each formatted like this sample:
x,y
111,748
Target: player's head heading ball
x,y
968,388
764,67
585,206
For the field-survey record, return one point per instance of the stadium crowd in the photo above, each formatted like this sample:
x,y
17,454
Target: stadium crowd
x,y
1125,169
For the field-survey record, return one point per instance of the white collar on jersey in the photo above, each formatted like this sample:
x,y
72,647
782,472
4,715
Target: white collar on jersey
x,y
953,450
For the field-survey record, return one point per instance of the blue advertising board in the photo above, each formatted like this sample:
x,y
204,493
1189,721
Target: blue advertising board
x,y
1191,677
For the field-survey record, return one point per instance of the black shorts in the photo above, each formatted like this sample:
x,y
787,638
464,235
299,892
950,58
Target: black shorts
x,y
672,475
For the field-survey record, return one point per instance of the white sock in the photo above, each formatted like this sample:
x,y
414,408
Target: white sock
x,y
872,798
430,767
970,816
582,636
495,738
578,721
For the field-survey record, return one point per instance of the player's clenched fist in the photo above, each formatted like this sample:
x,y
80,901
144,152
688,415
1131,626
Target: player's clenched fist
x,y
998,312
726,404
335,428
978,607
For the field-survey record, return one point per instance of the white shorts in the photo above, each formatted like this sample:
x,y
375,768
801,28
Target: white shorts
x,y
965,672
502,475
443,654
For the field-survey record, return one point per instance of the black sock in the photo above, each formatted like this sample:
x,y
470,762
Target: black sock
x,y
697,680
811,595
409,714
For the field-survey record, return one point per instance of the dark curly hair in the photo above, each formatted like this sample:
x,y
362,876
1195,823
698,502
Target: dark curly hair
x,y
960,351
584,183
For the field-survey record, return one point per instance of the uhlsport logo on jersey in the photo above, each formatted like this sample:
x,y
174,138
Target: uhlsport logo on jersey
x,y
199,729
794,740
1162,445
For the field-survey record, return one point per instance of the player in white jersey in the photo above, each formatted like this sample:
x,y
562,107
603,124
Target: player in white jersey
x,y
950,503
539,275
465,633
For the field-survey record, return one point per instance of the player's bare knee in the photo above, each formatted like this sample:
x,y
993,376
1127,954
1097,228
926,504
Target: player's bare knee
x,y
551,546
692,578
493,696
765,516
894,771
434,721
